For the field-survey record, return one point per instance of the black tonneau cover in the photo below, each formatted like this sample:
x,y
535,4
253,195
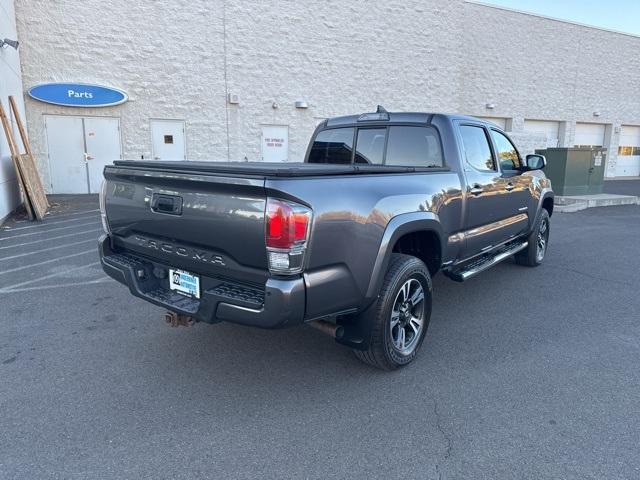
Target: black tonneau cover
x,y
268,169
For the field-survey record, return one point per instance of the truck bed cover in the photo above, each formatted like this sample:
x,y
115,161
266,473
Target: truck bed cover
x,y
266,169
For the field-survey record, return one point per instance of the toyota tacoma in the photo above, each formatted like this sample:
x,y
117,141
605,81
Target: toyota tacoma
x,y
347,241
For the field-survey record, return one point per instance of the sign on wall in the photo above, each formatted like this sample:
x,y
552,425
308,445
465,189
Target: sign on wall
x,y
275,143
78,94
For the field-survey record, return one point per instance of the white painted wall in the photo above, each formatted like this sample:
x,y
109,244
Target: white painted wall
x,y
10,84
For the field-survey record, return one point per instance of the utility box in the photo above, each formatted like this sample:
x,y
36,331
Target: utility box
x,y
575,171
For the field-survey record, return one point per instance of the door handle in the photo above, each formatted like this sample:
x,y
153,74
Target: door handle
x,y
170,204
476,190
509,187
87,157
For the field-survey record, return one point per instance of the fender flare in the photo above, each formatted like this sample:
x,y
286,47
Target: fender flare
x,y
397,227
545,193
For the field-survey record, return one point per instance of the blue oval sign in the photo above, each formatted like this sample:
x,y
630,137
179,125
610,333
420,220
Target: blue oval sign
x,y
77,95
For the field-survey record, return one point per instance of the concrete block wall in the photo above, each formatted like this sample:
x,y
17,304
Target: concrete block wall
x,y
168,56
542,69
179,59
10,84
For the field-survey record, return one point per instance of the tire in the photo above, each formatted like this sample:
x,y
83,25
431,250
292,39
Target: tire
x,y
406,276
538,239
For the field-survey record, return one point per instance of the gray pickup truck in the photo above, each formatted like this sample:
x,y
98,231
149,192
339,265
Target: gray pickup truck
x,y
347,241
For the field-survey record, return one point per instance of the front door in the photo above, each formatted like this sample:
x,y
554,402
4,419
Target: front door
x,y
167,139
79,148
488,219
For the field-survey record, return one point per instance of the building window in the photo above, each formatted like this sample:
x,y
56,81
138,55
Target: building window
x,y
628,151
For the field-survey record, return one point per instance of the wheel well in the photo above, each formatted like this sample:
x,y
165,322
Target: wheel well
x,y
424,245
547,204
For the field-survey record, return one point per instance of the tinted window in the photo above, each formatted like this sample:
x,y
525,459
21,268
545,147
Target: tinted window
x,y
507,153
413,146
332,146
370,145
476,147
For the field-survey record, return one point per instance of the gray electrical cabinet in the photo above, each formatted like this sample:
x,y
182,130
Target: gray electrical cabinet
x,y
575,171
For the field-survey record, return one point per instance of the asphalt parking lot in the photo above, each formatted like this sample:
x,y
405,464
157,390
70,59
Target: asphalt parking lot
x,y
525,373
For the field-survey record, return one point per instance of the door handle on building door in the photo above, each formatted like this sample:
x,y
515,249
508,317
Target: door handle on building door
x,y
87,157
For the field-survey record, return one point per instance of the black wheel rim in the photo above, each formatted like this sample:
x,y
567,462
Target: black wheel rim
x,y
407,317
542,239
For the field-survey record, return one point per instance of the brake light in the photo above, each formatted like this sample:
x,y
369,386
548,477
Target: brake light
x,y
287,231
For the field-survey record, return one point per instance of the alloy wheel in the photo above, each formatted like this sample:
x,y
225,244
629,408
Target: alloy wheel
x,y
407,317
542,239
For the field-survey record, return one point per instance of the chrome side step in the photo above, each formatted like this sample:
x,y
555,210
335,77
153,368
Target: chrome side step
x,y
486,263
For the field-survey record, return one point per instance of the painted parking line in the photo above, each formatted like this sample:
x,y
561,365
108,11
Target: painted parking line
x,y
49,230
46,224
48,239
57,285
45,277
51,260
63,215
42,250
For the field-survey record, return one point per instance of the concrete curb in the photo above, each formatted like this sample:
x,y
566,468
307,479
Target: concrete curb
x,y
582,202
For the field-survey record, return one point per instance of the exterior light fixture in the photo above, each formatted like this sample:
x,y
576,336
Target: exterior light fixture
x,y
490,106
302,104
233,98
7,42
596,114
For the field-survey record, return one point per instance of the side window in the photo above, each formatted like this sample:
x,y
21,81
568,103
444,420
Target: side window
x,y
507,153
332,146
476,148
413,147
370,145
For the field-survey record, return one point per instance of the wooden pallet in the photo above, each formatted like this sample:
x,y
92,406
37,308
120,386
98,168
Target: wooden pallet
x,y
13,148
35,198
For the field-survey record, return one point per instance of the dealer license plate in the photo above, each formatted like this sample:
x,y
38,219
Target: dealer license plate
x,y
184,282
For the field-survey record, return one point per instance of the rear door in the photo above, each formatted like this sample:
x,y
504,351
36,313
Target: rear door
x,y
167,138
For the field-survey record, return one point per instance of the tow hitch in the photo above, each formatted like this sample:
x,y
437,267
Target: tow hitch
x,y
178,320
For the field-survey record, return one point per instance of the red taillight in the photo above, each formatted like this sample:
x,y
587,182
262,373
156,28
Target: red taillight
x,y
287,223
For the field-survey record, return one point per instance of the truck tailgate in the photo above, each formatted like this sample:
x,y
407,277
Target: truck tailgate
x,y
199,222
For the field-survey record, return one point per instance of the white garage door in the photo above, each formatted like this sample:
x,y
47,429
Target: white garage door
x,y
589,135
628,163
546,127
501,122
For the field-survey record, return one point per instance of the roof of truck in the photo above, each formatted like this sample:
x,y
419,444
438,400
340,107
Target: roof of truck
x,y
399,117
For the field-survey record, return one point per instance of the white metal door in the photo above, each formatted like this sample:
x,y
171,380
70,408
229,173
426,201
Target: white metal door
x,y
102,140
589,135
65,142
167,139
628,162
547,127
275,143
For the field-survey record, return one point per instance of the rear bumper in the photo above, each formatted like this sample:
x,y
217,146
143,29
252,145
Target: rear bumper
x,y
281,303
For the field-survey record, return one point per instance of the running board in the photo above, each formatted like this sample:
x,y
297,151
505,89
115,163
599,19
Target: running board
x,y
481,265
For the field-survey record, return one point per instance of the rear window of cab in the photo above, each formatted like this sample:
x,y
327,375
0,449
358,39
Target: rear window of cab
x,y
397,145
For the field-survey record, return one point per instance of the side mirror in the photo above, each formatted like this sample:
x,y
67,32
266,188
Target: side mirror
x,y
535,161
